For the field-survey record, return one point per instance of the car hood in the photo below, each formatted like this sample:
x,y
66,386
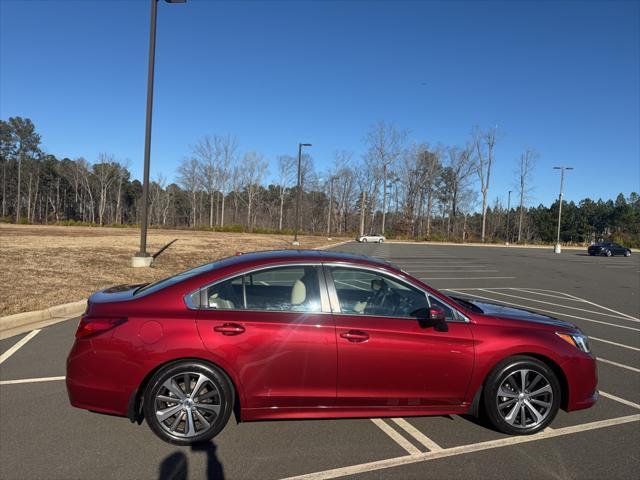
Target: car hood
x,y
511,313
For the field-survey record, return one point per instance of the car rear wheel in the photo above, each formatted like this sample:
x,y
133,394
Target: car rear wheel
x,y
608,253
188,402
521,396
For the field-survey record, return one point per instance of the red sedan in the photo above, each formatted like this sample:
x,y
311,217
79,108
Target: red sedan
x,y
309,334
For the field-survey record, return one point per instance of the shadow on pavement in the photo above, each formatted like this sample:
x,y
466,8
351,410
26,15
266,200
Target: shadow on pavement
x,y
176,465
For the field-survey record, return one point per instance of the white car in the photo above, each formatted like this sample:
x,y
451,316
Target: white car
x,y
372,237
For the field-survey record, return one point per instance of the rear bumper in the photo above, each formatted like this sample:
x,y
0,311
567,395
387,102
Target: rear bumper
x,y
582,382
89,383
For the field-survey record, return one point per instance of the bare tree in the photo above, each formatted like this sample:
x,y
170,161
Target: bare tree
x,y
484,143
253,168
227,147
526,164
84,169
207,156
345,180
105,173
385,144
457,172
286,164
429,166
189,178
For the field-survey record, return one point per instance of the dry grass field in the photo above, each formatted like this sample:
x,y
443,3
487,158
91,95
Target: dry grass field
x,y
42,266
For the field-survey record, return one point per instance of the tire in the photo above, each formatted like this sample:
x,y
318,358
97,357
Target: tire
x,y
187,421
380,241
364,240
627,253
608,253
535,412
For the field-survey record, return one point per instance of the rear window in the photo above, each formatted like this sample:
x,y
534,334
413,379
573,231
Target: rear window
x,y
167,282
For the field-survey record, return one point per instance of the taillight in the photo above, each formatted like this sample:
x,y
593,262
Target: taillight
x,y
90,326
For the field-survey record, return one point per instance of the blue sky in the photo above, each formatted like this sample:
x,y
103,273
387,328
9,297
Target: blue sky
x,y
561,77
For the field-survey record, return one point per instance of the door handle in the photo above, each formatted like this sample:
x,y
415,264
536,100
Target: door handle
x,y
356,336
229,329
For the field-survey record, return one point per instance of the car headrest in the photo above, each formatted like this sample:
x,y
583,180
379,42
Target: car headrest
x,y
298,293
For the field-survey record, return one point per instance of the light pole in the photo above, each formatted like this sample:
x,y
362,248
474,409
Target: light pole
x,y
508,212
331,179
558,249
299,187
142,258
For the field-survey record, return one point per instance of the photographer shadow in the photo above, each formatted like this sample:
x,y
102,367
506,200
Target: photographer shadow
x,y
176,465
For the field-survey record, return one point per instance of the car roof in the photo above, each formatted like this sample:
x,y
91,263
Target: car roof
x,y
276,256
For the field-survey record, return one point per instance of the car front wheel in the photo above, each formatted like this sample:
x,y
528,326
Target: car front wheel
x,y
188,402
608,253
627,253
521,396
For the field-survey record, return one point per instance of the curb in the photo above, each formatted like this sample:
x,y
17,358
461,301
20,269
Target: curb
x,y
21,322
331,245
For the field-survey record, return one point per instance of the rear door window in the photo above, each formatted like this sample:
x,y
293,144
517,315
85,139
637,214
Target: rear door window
x,y
294,288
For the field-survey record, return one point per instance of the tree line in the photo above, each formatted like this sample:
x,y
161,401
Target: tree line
x,y
399,187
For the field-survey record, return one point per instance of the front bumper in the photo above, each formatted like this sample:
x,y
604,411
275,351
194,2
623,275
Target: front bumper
x,y
582,382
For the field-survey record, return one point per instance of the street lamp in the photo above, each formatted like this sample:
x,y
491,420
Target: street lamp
x,y
142,258
299,186
558,249
508,212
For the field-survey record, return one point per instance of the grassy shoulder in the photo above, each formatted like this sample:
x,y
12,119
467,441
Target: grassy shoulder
x,y
43,266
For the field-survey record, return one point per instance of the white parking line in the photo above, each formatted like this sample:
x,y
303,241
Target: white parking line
x,y
18,346
31,380
620,400
544,310
533,292
558,305
605,308
616,364
396,437
417,434
614,343
449,452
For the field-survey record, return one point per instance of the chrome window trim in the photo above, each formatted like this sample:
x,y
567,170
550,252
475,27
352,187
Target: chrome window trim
x,y
324,299
334,296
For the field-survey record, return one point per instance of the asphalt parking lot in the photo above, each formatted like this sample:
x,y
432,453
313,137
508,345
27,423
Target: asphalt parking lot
x,y
41,436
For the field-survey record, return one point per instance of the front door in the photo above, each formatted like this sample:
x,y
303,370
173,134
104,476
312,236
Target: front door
x,y
271,326
385,357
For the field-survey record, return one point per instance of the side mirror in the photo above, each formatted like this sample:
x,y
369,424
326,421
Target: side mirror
x,y
430,317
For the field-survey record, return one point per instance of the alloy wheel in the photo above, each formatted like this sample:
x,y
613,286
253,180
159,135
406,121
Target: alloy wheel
x,y
524,399
187,404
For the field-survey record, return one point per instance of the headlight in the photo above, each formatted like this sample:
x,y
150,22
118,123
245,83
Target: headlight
x,y
578,340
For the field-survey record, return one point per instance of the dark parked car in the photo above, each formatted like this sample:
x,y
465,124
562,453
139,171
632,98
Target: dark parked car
x,y
608,249
310,334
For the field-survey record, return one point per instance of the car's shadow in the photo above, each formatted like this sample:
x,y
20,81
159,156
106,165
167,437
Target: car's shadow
x,y
481,421
176,465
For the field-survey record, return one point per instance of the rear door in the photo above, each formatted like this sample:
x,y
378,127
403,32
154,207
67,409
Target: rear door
x,y
270,324
385,357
